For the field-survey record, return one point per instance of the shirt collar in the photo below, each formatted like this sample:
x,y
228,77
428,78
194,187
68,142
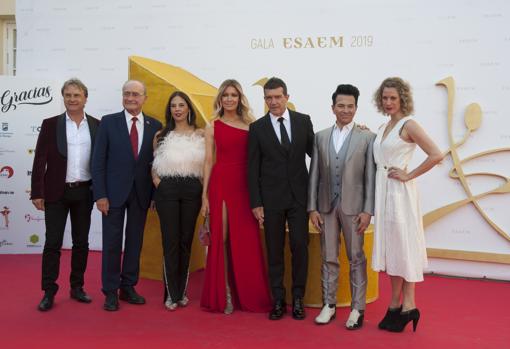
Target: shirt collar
x,y
129,116
68,118
285,115
347,127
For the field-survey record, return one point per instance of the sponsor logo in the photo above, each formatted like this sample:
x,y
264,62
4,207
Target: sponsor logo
x,y
29,217
4,151
5,212
4,130
6,192
5,243
10,100
33,130
33,240
6,172
29,173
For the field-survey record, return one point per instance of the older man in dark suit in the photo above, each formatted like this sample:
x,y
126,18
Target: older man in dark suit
x,y
121,173
61,184
278,180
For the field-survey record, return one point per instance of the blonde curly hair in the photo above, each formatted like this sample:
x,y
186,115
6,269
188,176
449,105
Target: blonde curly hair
x,y
404,92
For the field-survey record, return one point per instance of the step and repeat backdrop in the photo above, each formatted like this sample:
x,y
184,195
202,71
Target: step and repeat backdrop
x,y
454,54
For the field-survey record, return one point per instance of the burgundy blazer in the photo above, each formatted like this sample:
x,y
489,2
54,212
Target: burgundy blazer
x,y
50,161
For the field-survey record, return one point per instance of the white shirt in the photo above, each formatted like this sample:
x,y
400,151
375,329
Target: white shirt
x,y
340,135
286,123
139,126
79,146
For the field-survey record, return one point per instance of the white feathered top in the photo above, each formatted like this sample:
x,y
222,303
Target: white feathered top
x,y
180,155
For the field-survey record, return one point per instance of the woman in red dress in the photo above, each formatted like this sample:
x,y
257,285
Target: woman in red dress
x,y
235,275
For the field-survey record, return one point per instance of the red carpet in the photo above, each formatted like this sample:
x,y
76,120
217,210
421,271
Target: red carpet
x,y
455,314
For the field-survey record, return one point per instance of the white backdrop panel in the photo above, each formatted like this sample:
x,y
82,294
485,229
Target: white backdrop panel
x,y
423,42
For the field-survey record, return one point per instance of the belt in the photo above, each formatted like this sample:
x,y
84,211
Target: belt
x,y
78,184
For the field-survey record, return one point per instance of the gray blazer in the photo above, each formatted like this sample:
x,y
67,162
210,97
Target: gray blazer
x,y
358,178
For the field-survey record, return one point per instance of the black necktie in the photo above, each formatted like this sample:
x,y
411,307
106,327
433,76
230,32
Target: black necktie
x,y
284,136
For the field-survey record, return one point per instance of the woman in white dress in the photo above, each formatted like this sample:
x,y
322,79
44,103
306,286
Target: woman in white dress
x,y
399,242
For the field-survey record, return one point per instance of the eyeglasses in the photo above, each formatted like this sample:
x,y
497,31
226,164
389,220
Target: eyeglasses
x,y
132,94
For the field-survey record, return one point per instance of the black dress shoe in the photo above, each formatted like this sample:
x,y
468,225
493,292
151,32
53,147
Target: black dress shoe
x,y
298,309
80,295
47,302
278,310
129,295
111,302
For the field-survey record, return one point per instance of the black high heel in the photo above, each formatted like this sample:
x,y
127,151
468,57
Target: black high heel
x,y
404,318
390,317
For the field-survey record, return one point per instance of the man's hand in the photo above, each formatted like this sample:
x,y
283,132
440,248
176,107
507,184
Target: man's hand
x,y
39,204
103,205
317,221
258,212
363,220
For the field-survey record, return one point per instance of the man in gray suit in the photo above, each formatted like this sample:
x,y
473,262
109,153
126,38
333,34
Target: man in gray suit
x,y
341,198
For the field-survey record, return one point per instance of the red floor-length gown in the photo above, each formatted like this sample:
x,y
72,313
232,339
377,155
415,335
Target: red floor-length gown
x,y
246,269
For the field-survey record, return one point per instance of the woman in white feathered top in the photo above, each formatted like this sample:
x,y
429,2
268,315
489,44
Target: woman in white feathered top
x,y
179,151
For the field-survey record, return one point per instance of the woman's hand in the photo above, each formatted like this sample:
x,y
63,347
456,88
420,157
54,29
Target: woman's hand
x,y
204,210
398,174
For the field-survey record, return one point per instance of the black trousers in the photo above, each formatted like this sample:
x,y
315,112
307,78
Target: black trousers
x,y
274,227
78,202
178,201
119,271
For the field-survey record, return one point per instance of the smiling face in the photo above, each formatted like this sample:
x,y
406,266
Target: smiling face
x,y
276,101
74,99
133,97
179,109
230,99
344,109
391,101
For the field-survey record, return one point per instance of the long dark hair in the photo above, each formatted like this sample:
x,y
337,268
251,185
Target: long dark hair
x,y
170,122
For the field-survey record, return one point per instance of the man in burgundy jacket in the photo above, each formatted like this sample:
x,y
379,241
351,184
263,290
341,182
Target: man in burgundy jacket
x,y
61,184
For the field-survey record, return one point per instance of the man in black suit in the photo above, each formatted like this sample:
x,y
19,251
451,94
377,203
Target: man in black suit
x,y
278,180
61,184
121,172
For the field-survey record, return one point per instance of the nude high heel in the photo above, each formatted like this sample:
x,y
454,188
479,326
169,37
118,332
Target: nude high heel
x,y
229,307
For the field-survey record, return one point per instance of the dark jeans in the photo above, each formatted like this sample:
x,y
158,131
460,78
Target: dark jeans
x,y
77,202
274,227
178,201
